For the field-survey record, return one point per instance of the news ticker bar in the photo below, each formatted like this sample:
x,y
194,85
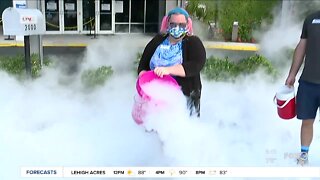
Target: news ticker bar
x,y
165,172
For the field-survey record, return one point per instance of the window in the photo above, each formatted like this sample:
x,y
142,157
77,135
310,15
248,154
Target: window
x,y
152,16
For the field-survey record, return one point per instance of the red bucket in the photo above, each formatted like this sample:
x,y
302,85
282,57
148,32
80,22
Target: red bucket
x,y
286,102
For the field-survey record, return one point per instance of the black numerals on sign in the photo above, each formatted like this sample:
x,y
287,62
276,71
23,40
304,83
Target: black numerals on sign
x,y
30,27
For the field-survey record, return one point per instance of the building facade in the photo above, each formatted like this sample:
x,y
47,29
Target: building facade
x,y
100,16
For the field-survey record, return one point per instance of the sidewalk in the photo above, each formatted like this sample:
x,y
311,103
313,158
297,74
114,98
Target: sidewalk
x,y
66,40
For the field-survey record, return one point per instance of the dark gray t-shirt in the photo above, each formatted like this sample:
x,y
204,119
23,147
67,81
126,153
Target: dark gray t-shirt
x,y
311,32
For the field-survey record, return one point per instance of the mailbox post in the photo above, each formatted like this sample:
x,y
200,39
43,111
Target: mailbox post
x,y
27,58
23,22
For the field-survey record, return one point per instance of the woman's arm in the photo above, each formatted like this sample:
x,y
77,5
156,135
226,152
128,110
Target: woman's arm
x,y
176,70
196,55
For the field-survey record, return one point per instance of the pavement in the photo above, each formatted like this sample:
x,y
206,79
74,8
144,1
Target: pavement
x,y
82,41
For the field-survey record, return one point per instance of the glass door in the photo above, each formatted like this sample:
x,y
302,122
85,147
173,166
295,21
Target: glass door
x,y
122,16
70,16
137,16
88,16
52,16
105,16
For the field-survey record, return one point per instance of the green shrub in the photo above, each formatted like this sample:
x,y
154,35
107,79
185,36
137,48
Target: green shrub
x,y
136,62
249,14
289,53
225,70
15,65
209,14
220,69
92,78
253,63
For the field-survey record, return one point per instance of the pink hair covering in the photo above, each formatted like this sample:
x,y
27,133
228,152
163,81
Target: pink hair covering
x,y
165,21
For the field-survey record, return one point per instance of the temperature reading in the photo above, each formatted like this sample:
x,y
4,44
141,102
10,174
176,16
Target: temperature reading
x,y
141,172
182,172
223,172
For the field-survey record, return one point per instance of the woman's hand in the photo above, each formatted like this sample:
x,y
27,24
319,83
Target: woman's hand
x,y
161,71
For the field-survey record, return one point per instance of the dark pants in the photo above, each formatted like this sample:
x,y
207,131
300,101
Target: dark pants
x,y
193,103
308,100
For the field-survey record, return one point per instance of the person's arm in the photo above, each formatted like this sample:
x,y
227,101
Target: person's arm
x,y
299,54
196,55
176,70
298,57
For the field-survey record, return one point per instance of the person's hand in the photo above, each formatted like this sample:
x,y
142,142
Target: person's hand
x,y
290,81
161,71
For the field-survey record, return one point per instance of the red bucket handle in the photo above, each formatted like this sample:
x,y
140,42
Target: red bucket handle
x,y
283,105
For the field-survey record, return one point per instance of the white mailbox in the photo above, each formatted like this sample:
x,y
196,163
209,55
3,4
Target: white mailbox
x,y
23,22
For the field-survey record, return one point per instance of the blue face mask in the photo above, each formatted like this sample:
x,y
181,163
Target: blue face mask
x,y
177,32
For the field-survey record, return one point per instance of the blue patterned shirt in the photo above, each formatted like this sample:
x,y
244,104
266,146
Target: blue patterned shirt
x,y
166,55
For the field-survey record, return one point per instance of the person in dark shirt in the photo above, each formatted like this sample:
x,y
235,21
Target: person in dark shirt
x,y
176,52
308,95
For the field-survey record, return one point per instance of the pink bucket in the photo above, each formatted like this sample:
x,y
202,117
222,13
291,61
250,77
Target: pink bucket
x,y
139,109
142,100
150,76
